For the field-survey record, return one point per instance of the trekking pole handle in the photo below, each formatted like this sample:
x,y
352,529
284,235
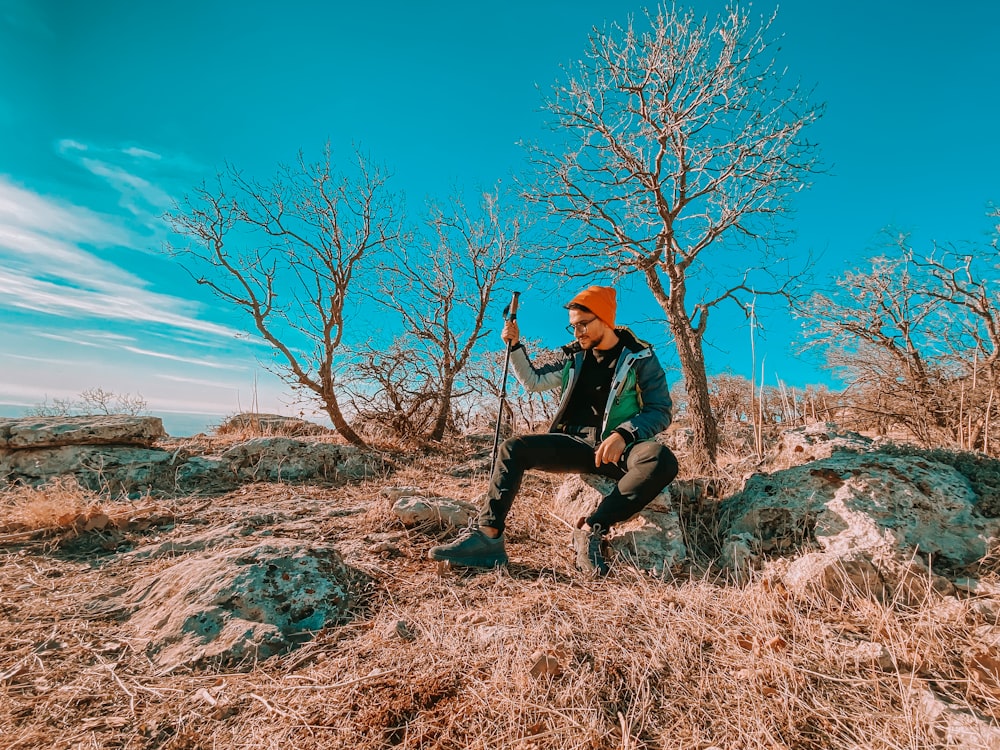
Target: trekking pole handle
x,y
511,311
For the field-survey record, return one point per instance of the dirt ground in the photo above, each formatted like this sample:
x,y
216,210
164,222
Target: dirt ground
x,y
533,656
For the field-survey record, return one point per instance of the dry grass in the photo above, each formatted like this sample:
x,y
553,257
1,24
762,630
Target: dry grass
x,y
531,657
52,506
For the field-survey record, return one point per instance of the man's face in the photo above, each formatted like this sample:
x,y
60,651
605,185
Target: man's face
x,y
587,328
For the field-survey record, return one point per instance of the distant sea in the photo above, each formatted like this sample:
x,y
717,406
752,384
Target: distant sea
x,y
176,424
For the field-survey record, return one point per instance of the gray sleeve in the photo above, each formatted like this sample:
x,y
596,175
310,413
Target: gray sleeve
x,y
535,378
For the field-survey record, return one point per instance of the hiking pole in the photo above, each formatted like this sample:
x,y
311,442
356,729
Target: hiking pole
x,y
509,313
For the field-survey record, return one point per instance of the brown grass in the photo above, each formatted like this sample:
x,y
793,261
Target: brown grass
x,y
531,657
53,506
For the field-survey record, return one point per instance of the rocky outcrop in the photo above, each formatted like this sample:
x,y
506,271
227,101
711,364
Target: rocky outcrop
x,y
857,521
819,440
271,425
54,432
116,456
236,606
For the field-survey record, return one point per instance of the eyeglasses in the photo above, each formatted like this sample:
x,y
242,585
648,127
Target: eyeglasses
x,y
581,327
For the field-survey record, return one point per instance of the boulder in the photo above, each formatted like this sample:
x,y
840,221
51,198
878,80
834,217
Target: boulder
x,y
132,470
270,424
237,606
653,541
282,459
819,440
859,518
111,469
53,432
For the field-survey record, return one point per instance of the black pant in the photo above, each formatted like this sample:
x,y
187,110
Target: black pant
x,y
642,472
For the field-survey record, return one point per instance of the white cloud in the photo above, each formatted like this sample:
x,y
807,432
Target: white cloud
x,y
68,144
141,153
129,185
40,360
45,269
70,340
25,210
186,360
195,381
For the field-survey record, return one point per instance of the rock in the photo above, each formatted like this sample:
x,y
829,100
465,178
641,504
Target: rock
x,y
878,505
270,425
655,545
738,555
654,542
120,469
955,727
281,459
842,577
205,475
115,470
819,440
394,493
476,466
434,511
53,432
236,606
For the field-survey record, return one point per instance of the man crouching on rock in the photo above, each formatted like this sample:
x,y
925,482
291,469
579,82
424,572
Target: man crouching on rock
x,y
612,386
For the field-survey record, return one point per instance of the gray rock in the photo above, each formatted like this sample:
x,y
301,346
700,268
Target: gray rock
x,y
819,440
857,524
414,510
271,424
237,606
281,459
882,505
52,432
115,470
954,726
653,541
131,469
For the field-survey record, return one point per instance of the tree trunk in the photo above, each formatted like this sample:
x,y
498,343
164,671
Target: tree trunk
x,y
332,409
705,438
444,410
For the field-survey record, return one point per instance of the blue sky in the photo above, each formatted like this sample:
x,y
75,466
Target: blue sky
x,y
110,110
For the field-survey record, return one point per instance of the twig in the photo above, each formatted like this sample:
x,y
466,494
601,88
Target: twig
x,y
335,685
123,686
278,711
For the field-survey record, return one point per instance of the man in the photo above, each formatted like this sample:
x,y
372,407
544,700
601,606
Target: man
x,y
614,401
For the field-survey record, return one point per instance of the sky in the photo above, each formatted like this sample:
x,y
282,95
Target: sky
x,y
112,110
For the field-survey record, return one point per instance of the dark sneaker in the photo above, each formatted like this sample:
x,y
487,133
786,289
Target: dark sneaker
x,y
473,549
589,546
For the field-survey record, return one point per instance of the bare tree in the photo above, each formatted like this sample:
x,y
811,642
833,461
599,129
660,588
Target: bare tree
x,y
526,411
680,139
876,327
918,337
286,253
442,288
92,401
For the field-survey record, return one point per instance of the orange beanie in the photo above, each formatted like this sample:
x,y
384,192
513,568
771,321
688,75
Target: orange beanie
x,y
600,300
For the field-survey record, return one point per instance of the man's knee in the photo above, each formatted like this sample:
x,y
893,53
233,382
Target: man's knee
x,y
512,447
656,461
